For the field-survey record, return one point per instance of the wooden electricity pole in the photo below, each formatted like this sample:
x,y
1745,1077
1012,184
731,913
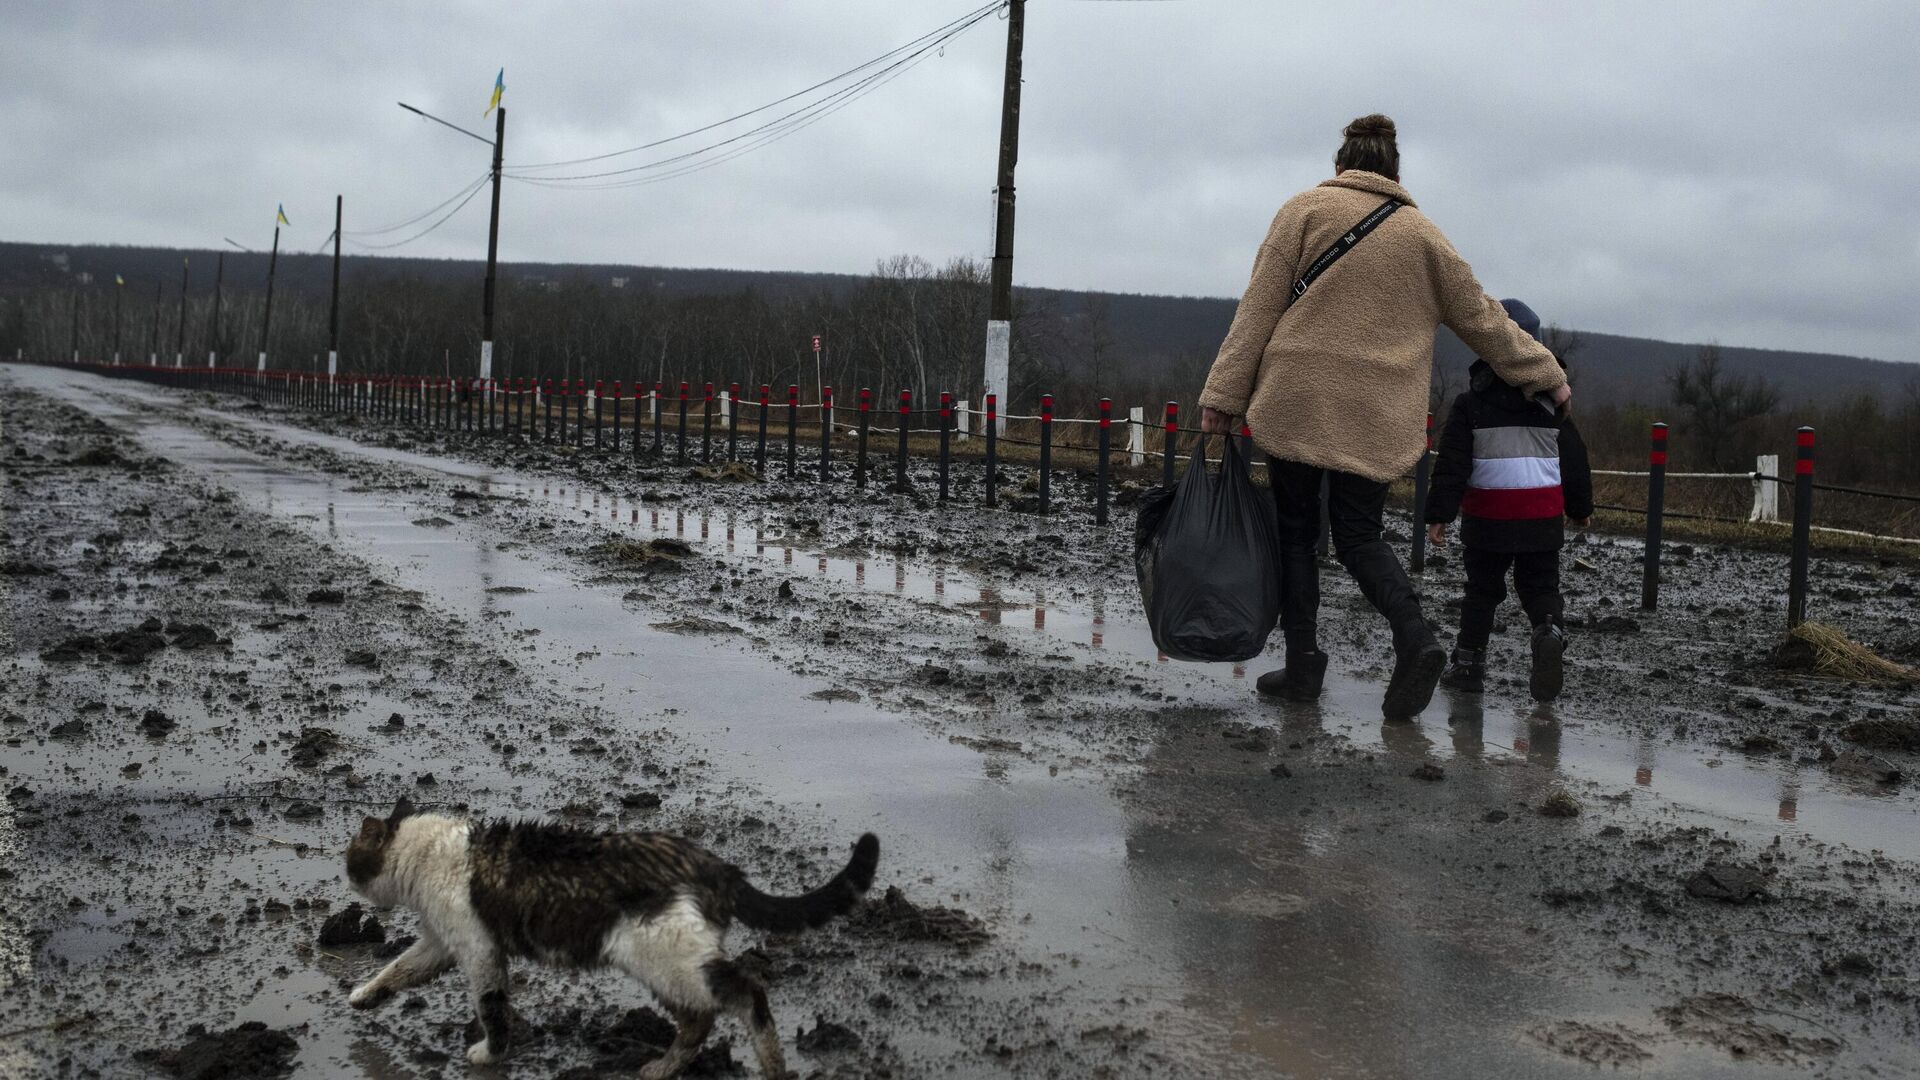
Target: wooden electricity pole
x,y
1000,310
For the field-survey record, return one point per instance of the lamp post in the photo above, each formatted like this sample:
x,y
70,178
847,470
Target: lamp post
x,y
498,143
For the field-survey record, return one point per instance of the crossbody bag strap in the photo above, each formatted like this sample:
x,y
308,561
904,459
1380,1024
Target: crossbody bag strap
x,y
1344,244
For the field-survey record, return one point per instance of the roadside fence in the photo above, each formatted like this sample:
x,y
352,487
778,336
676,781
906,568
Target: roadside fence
x,y
611,418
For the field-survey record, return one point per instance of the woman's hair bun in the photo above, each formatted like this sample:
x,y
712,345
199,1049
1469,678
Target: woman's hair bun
x,y
1375,124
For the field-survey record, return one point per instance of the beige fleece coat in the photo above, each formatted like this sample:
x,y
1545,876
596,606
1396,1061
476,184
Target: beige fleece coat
x,y
1339,379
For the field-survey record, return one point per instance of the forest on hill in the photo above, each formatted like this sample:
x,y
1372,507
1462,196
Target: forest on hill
x,y
909,324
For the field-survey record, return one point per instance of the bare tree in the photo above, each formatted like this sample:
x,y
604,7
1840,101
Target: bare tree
x,y
1718,404
1565,344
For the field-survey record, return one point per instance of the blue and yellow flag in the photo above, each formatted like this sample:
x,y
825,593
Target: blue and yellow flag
x,y
280,215
118,280
499,87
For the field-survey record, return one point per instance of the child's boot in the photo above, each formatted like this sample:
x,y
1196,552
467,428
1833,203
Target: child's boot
x,y
1300,680
1549,642
1466,671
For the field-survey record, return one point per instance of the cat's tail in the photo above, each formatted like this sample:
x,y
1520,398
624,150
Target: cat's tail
x,y
786,914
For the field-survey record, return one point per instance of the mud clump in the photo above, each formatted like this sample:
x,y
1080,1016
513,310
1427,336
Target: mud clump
x,y
99,457
132,646
695,626
312,747
363,658
661,553
1883,734
1728,883
1610,1045
1560,805
835,693
249,1050
156,724
1732,1023
326,596
352,925
1871,767
1429,771
826,1037
896,918
192,636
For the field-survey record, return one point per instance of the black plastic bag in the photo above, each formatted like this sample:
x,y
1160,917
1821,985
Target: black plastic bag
x,y
1205,552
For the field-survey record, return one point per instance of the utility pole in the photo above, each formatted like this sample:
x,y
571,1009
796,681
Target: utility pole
x,y
498,143
213,321
180,333
266,320
1000,310
333,308
153,339
119,287
73,334
493,247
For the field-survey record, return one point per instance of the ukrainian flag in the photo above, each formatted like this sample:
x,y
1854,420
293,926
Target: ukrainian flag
x,y
499,87
118,280
280,215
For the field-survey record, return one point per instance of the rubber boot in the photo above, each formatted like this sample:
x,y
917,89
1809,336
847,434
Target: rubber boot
x,y
1418,660
1466,671
1549,643
1300,680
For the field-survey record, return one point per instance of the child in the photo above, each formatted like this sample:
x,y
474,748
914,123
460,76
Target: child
x,y
1511,467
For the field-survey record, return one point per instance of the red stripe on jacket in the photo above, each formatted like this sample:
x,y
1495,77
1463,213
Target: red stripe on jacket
x,y
1514,504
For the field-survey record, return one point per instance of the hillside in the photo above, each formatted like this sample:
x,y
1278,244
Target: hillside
x,y
1148,331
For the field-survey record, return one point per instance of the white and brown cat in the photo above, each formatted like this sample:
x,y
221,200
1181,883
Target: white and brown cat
x,y
653,905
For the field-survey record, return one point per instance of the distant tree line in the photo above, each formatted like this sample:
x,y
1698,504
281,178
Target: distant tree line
x,y
908,324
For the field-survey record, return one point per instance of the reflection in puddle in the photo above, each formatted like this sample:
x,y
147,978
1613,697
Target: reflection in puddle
x,y
1761,792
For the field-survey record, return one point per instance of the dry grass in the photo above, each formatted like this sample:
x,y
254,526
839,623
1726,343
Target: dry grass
x,y
1827,651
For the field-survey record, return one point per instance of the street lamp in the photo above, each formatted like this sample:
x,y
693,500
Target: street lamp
x,y
498,142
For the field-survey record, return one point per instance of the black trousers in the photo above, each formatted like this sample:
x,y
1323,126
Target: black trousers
x,y
1536,578
1354,508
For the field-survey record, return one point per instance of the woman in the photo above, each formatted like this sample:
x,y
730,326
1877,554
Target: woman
x,y
1333,381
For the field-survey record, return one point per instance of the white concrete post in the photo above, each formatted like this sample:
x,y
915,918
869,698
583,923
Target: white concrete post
x,y
263,361
333,364
999,349
1766,493
963,420
1137,435
726,407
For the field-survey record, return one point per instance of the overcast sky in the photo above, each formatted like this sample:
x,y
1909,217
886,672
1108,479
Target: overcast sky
x,y
1688,171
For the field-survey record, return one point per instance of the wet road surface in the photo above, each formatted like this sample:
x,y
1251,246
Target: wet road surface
x,y
1254,925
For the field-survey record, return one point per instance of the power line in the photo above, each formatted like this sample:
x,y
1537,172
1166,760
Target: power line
x,y
423,215
771,136
775,129
477,189
972,15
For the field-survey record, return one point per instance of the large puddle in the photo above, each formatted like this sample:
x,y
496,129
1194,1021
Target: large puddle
x,y
1268,939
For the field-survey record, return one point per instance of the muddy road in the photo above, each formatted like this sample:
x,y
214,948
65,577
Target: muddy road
x,y
230,631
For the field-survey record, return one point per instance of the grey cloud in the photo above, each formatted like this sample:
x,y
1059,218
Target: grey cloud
x,y
1719,170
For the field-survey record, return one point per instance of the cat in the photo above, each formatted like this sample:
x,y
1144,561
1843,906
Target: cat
x,y
654,905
